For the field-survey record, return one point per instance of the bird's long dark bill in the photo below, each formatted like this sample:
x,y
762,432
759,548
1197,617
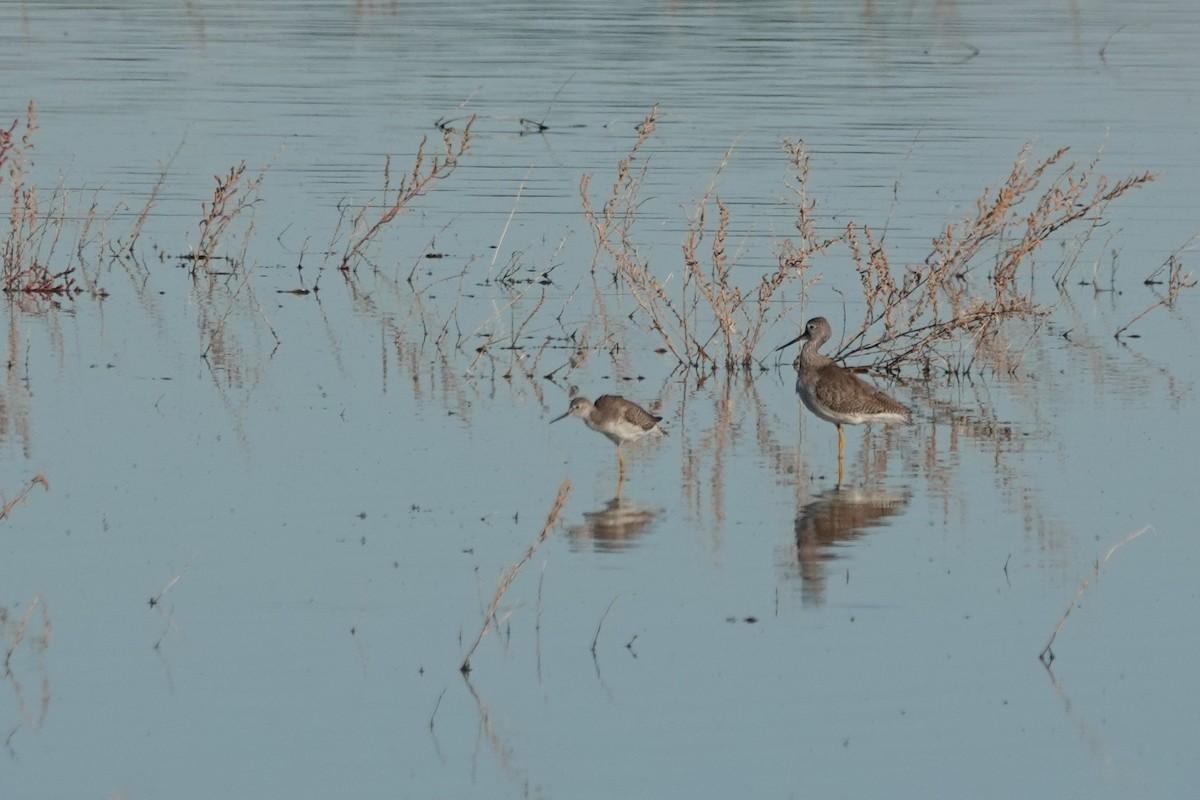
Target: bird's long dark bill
x,y
792,342
564,416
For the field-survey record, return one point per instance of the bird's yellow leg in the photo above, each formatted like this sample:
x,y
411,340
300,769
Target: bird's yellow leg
x,y
621,462
841,449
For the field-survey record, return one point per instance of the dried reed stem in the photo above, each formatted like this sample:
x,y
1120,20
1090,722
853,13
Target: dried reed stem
x,y
156,599
16,155
612,228
231,197
511,574
413,184
600,624
1047,655
127,244
1177,281
6,506
35,226
908,319
14,633
739,315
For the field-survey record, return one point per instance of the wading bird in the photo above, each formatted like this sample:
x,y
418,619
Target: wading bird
x,y
617,418
835,394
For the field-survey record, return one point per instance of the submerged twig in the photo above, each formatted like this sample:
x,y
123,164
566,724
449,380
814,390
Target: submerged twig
x,y
600,625
156,599
436,706
511,574
9,505
1047,655
26,631
1177,281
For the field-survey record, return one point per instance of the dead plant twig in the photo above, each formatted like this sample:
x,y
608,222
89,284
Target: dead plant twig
x,y
231,196
365,226
1047,654
34,630
512,571
600,624
127,244
8,505
1177,281
909,318
35,226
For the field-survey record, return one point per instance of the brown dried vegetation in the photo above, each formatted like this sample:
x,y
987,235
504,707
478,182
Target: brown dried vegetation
x,y
915,315
365,222
34,226
939,314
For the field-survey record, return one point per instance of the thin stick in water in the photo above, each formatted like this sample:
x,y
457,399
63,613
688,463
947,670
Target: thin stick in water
x,y
6,506
511,575
436,706
600,625
1047,655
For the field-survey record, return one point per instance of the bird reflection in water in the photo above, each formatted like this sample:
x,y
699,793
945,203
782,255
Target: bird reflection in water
x,y
617,526
831,519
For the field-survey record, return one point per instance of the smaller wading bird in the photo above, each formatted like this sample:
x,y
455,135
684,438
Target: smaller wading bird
x,y
835,394
617,418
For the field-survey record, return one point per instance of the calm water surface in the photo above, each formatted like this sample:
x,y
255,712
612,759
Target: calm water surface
x,y
275,521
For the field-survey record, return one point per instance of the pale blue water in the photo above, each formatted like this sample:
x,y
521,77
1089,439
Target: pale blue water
x,y
330,514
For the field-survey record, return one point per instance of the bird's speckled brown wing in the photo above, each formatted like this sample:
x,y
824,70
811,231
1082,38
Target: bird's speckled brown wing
x,y
844,391
611,404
